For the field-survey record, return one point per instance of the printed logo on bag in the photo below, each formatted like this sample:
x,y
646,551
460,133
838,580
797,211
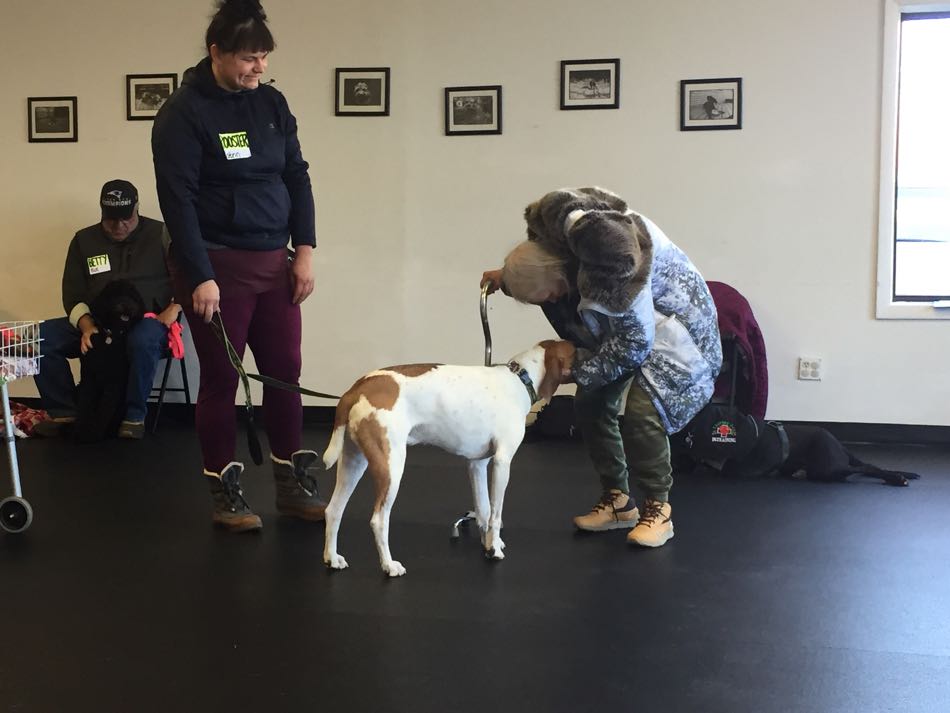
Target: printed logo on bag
x,y
723,432
98,264
235,145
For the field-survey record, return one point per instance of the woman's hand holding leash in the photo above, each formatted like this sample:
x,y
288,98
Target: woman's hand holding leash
x,y
206,300
492,278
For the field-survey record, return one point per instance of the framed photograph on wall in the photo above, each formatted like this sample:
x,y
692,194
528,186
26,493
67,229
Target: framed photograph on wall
x,y
145,94
52,119
473,110
362,91
590,84
710,104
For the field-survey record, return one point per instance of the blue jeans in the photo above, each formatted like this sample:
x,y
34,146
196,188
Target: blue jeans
x,y
147,343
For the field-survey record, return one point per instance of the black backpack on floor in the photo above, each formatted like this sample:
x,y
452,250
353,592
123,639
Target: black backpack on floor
x,y
556,420
727,440
733,443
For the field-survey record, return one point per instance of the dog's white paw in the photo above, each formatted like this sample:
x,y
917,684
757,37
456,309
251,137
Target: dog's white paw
x,y
394,569
335,562
496,551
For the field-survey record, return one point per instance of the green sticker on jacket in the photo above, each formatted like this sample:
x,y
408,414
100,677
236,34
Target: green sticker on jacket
x,y
235,145
97,264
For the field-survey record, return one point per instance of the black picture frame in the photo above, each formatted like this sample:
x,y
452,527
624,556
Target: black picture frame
x,y
471,111
52,119
711,104
362,91
145,94
590,84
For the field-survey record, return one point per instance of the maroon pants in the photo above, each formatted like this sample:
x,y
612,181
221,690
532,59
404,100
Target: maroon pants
x,y
257,312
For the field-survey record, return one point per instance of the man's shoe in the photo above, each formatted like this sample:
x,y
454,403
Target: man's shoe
x,y
615,510
132,429
53,427
296,485
655,527
231,510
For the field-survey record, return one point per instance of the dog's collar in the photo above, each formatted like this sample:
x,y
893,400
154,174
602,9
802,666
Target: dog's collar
x,y
518,370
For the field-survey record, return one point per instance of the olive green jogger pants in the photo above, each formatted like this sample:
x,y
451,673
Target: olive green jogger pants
x,y
639,450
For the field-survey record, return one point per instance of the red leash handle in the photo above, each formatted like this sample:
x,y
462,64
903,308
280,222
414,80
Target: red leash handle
x,y
175,343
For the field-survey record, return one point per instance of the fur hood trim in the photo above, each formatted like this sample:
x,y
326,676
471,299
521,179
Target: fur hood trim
x,y
607,246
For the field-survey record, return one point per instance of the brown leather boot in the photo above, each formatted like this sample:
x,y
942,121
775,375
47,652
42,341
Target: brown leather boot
x,y
296,483
231,510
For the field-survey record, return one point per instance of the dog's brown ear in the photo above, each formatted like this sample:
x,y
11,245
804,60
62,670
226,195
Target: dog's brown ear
x,y
553,368
566,352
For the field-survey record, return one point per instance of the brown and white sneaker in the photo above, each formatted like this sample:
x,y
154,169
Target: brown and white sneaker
x,y
615,510
655,527
134,430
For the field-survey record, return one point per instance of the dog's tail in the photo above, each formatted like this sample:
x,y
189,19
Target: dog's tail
x,y
340,419
332,453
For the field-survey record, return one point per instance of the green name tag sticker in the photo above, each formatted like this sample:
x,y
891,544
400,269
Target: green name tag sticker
x,y
97,264
235,145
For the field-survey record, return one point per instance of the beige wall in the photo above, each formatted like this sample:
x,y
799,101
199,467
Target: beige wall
x,y
784,210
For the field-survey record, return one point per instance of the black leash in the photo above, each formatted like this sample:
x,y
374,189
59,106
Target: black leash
x,y
278,384
253,443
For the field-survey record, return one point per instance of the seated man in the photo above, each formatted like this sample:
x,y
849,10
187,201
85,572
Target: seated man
x,y
123,246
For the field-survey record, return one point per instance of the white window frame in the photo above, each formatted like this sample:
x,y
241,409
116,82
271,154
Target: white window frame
x,y
887,308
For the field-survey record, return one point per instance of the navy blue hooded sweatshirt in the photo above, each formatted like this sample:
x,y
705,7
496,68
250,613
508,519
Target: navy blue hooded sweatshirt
x,y
229,172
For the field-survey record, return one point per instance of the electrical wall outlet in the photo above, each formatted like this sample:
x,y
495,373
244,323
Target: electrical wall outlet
x,y
809,368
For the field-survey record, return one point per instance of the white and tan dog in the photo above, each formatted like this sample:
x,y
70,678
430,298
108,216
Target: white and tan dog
x,y
477,412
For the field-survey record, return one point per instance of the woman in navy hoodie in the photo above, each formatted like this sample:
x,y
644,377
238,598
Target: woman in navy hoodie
x,y
234,191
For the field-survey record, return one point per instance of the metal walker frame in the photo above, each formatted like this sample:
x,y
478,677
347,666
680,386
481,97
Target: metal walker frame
x,y
19,357
470,515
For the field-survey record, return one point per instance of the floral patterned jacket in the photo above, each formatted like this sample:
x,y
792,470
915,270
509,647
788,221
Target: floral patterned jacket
x,y
644,312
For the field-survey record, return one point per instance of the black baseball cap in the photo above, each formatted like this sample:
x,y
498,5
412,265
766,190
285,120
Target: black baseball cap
x,y
118,199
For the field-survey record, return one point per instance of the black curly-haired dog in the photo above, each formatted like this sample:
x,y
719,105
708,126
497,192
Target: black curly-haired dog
x,y
104,369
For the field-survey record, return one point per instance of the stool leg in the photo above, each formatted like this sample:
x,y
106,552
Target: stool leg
x,y
184,380
161,393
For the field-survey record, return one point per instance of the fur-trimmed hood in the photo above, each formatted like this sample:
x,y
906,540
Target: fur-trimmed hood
x,y
607,247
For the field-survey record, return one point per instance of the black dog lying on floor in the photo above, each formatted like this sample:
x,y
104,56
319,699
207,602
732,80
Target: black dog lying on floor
x,y
739,445
104,369
814,453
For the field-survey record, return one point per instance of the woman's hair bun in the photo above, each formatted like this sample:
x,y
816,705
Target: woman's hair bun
x,y
242,9
239,25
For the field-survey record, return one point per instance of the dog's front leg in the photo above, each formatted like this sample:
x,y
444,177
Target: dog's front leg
x,y
499,482
478,477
